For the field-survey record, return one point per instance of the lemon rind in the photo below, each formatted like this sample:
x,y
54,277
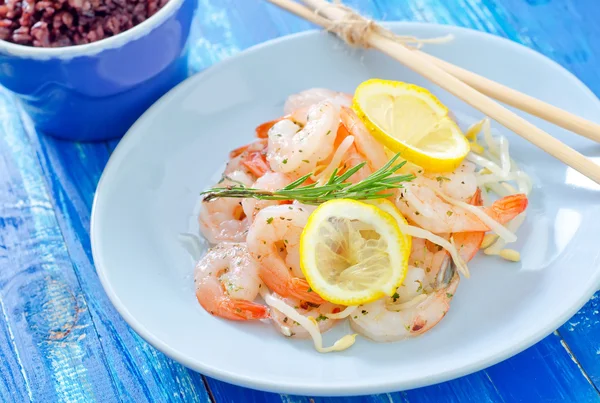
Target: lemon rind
x,y
347,209
413,154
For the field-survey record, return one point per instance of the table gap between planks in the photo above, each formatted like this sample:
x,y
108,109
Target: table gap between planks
x,y
61,339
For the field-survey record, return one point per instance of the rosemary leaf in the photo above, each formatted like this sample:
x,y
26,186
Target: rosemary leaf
x,y
337,187
297,182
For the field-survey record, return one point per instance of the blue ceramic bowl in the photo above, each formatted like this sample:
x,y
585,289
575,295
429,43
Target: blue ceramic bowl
x,y
97,91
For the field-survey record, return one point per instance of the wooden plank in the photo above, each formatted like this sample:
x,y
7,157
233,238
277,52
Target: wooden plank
x,y
140,372
476,388
51,333
581,334
226,393
561,29
212,49
545,372
13,382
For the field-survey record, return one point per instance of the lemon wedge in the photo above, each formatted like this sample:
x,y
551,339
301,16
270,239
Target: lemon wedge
x,y
410,120
352,253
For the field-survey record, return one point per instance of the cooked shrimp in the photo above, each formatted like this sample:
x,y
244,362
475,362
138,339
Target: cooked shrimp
x,y
411,311
269,181
428,257
290,328
363,148
468,243
365,145
273,240
351,159
262,130
250,159
459,184
227,282
295,148
313,96
420,203
309,208
224,219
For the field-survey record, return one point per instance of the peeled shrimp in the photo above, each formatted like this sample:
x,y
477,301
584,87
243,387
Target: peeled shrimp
x,y
365,144
468,243
428,257
354,145
227,282
290,328
351,159
459,184
296,148
224,219
269,181
420,203
313,96
274,240
415,308
250,159
309,208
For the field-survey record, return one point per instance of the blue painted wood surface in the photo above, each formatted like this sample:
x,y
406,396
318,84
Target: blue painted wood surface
x,y
61,339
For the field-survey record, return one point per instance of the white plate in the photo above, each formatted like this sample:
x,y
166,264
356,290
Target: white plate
x,y
148,192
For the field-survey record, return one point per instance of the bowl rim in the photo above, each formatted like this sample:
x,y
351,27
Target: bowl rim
x,y
90,49
267,385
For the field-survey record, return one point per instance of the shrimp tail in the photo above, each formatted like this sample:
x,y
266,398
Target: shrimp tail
x,y
239,151
469,243
246,310
502,210
301,289
476,199
234,309
290,286
507,208
257,164
258,144
342,133
262,130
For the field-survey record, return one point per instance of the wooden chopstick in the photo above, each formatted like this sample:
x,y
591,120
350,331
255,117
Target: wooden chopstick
x,y
423,66
502,93
489,107
519,100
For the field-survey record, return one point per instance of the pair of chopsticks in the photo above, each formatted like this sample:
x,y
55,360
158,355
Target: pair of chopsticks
x,y
473,89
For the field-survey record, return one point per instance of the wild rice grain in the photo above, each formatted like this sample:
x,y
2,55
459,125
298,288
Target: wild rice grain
x,y
59,23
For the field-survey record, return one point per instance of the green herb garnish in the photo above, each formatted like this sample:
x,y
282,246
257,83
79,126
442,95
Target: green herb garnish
x,y
321,317
337,187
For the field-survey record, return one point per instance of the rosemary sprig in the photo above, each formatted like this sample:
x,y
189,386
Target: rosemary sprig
x,y
337,187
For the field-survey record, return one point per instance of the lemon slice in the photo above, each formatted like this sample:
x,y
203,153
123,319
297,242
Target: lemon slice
x,y
391,209
353,253
410,120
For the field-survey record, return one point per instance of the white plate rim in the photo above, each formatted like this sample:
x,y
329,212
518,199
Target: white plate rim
x,y
294,388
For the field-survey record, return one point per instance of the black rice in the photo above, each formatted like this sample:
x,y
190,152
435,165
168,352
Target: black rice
x,y
57,23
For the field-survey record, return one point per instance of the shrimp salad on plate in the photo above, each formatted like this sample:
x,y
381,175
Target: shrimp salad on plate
x,y
364,207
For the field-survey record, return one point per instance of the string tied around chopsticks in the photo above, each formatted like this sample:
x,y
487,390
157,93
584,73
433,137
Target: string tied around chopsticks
x,y
354,29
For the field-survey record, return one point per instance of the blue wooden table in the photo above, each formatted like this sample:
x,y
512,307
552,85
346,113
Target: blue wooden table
x,y
61,339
